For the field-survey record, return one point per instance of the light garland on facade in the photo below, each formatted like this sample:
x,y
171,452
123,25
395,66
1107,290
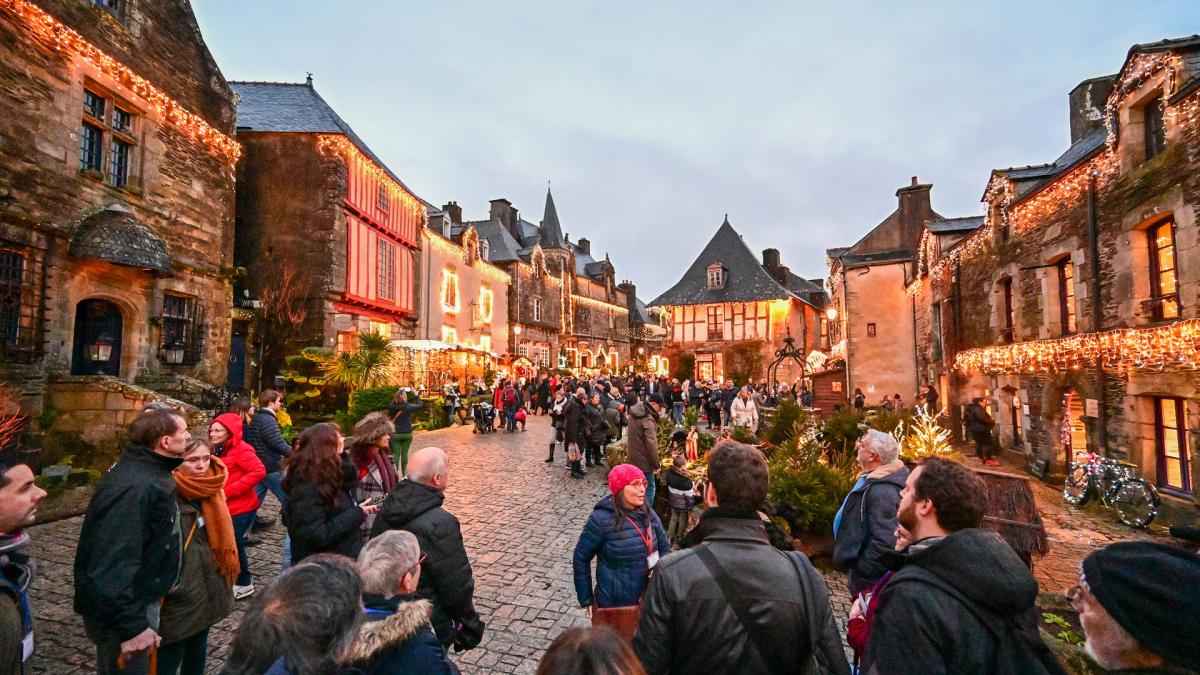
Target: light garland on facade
x,y
1065,193
489,270
593,302
1141,68
57,35
338,144
566,304
1172,347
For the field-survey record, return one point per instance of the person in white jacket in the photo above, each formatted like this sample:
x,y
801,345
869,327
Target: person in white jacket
x,y
744,411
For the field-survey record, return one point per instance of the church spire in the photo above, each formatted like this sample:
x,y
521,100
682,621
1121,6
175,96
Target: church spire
x,y
551,236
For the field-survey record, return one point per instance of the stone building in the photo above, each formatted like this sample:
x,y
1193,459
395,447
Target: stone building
x,y
116,203
327,233
464,298
731,312
873,320
1073,308
565,308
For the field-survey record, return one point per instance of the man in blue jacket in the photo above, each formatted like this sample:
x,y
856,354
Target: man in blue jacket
x,y
265,436
864,527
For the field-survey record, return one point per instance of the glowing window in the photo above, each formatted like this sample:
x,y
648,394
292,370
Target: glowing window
x,y
486,304
450,334
450,291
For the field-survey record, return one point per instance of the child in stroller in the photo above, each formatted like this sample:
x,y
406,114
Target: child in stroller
x,y
484,416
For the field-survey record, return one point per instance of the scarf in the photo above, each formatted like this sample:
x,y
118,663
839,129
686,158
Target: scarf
x,y
209,491
366,457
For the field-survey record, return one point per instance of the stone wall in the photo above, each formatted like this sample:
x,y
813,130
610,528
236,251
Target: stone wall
x,y
100,409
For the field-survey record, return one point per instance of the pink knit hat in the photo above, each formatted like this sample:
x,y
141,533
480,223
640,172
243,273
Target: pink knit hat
x,y
622,475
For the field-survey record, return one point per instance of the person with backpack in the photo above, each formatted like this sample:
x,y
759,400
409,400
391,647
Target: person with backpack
x,y
511,399
863,527
961,600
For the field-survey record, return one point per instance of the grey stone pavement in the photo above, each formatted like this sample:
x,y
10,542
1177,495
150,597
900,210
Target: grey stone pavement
x,y
520,518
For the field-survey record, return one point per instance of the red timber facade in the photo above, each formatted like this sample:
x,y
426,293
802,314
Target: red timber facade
x,y
326,232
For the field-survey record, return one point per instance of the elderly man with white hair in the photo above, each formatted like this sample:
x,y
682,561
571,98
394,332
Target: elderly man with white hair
x,y
415,505
863,527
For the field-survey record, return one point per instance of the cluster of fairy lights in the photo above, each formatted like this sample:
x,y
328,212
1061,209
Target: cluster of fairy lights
x,y
566,304
1069,190
1156,349
338,144
55,34
450,248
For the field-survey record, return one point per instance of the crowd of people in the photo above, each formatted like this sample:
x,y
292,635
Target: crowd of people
x,y
376,577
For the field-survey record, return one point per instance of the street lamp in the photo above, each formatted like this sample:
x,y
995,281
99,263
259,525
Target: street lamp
x,y
173,353
100,349
641,350
831,313
517,329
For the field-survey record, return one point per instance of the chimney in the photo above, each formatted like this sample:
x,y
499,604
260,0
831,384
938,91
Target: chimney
x,y
1086,102
770,259
915,210
585,245
630,291
453,210
502,210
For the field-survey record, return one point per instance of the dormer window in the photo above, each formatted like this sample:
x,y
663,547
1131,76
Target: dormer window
x,y
446,227
485,249
1153,114
716,276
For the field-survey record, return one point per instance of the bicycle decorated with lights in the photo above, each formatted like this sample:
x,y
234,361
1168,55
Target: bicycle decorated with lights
x,y
1117,485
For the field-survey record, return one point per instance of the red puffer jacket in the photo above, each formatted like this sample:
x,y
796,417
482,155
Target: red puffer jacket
x,y
245,469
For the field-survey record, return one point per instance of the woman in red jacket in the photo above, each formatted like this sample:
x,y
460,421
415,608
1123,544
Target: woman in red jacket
x,y
245,471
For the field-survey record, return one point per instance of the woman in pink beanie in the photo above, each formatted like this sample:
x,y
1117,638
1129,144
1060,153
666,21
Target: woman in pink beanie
x,y
628,539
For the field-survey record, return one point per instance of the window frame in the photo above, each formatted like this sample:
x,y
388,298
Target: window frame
x,y
450,291
12,287
101,134
537,309
1067,310
715,275
385,271
1180,430
180,321
1158,297
714,322
1009,309
487,299
383,200
1154,136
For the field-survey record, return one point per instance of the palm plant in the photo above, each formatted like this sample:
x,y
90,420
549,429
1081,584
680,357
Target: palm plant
x,y
372,364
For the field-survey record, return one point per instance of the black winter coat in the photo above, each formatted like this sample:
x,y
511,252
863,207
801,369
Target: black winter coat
x,y
962,604
575,422
867,528
397,639
264,436
317,527
687,625
446,578
129,547
401,415
202,597
597,428
979,423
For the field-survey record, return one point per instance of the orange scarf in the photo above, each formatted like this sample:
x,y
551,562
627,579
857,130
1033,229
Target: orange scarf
x,y
209,491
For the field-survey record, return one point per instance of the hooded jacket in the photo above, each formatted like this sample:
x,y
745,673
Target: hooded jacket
x,y
446,577
688,626
643,437
129,547
866,525
245,468
961,604
397,638
202,598
620,554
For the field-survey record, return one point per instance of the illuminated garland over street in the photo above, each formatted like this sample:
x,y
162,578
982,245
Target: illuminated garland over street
x,y
57,35
1172,347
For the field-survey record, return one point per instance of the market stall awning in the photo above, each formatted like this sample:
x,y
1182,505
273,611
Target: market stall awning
x,y
439,346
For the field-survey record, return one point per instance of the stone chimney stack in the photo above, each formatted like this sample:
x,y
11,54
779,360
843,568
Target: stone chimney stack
x,y
585,245
626,286
453,210
1086,102
770,258
502,210
915,210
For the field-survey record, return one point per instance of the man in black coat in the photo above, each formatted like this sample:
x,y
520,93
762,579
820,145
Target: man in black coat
x,y
962,601
731,602
266,438
415,505
979,426
575,428
130,545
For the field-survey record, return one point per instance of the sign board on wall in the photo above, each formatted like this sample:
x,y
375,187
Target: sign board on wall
x,y
1091,407
837,386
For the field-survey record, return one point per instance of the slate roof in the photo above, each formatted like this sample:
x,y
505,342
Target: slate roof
x,y
812,292
114,235
551,235
953,225
294,107
855,259
501,245
745,279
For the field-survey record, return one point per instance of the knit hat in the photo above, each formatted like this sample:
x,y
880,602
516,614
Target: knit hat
x,y
656,398
622,475
1143,585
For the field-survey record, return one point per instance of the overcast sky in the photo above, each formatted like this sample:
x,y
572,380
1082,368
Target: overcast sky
x,y
654,119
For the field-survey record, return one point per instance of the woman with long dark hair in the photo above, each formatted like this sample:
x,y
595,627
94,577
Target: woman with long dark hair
x,y
320,512
626,537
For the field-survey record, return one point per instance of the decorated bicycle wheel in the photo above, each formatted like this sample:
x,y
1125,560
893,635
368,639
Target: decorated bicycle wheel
x,y
1136,502
1077,489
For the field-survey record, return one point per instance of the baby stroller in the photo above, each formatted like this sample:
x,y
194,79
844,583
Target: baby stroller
x,y
484,415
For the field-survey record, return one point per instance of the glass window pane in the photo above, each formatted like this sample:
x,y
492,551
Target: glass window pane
x,y
1174,473
118,165
93,104
1167,407
1166,282
1166,259
91,144
1163,236
1170,309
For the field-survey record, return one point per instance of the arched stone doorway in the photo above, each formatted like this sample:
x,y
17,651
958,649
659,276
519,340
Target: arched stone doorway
x,y
98,337
1073,430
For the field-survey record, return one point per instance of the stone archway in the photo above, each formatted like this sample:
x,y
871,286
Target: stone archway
x,y
98,337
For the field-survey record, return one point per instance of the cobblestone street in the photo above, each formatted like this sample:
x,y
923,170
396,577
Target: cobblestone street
x,y
520,519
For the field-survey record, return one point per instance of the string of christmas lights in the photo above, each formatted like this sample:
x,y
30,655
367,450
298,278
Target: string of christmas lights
x,y
50,31
339,144
489,270
1171,347
1141,68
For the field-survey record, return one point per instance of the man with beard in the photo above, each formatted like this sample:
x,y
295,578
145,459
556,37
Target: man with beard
x,y
961,601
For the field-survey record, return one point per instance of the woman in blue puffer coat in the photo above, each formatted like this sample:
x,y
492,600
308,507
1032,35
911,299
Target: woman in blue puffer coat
x,y
625,536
